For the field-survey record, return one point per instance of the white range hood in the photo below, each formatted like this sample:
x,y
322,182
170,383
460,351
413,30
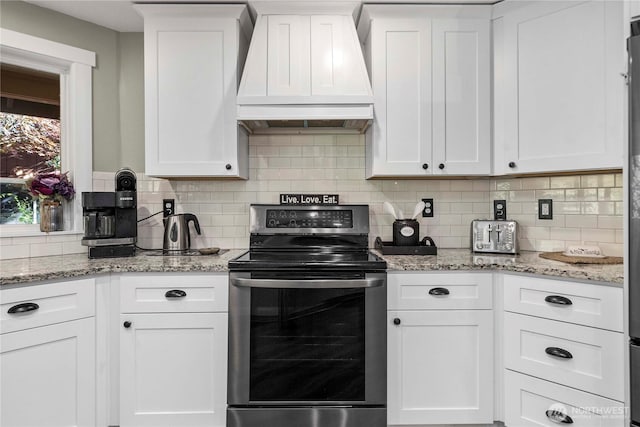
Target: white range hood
x,y
305,69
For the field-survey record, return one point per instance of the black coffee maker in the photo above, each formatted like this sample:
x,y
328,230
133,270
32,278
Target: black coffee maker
x,y
111,218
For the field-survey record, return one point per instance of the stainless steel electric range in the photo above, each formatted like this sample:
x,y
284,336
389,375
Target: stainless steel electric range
x,y
307,323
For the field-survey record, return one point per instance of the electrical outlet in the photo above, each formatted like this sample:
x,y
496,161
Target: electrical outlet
x,y
427,212
500,209
168,207
545,209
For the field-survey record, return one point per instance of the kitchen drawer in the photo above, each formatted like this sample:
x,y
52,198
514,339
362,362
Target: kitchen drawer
x,y
591,305
528,399
596,365
55,302
418,291
148,293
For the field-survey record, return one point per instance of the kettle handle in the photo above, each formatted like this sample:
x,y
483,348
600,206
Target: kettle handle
x,y
191,217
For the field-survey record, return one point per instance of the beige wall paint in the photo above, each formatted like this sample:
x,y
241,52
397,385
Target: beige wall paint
x,y
131,59
118,126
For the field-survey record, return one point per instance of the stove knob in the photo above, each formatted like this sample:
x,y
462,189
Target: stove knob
x,y
479,245
272,222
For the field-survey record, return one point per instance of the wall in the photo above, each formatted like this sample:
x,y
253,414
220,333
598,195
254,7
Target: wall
x,y
118,133
587,208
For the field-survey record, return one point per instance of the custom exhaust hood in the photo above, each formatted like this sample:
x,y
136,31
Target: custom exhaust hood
x,y
305,70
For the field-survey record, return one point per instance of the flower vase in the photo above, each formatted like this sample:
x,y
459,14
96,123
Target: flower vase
x,y
51,216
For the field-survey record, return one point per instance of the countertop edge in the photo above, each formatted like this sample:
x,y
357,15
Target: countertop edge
x,y
447,260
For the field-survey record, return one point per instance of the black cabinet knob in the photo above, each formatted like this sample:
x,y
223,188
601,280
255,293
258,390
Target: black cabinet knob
x,y
512,165
396,321
425,166
127,324
228,167
441,166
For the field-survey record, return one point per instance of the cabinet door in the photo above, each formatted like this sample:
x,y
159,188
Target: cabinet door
x,y
288,38
440,367
559,89
173,369
461,97
190,95
334,72
399,140
48,376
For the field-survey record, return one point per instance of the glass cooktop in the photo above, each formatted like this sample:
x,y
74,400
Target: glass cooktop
x,y
266,260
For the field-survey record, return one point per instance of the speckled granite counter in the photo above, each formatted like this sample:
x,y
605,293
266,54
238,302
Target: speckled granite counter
x,y
526,262
69,266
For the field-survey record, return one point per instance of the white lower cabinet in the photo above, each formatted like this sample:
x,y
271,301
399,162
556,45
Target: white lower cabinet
x,y
48,375
173,350
173,369
530,401
48,354
437,367
563,354
439,348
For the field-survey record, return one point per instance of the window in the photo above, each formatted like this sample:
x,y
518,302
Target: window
x,y
29,138
72,67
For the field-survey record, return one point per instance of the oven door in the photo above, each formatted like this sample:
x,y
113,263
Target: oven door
x,y
301,339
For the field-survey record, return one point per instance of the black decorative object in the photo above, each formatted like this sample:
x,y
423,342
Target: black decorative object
x,y
426,247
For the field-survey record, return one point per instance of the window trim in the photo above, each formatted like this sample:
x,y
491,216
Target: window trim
x,y
75,67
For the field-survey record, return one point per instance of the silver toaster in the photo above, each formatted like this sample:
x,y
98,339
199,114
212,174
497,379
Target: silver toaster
x,y
491,236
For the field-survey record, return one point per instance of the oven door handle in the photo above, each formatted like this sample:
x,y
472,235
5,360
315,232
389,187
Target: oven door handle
x,y
314,283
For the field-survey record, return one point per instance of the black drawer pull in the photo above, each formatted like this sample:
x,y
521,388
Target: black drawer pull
x,y
558,417
23,308
127,324
396,321
175,293
438,291
558,300
558,352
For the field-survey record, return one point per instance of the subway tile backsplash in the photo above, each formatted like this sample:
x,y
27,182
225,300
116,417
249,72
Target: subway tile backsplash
x,y
587,208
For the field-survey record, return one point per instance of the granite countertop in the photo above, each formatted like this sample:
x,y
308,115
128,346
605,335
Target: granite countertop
x,y
525,262
26,270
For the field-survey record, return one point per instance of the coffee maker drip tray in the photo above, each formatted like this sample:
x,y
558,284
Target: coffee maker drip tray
x,y
109,241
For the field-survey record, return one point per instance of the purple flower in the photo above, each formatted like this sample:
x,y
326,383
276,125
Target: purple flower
x,y
52,186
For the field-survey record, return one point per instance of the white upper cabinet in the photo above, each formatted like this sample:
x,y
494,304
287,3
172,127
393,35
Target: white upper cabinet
x,y
193,57
430,73
559,92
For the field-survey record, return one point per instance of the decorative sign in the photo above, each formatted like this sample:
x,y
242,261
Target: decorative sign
x,y
309,199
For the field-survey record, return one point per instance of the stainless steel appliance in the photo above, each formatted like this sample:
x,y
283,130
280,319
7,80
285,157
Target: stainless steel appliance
x,y
176,232
634,219
491,236
110,218
307,321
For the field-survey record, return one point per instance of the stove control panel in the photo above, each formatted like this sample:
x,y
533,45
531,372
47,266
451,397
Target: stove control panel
x,y
296,218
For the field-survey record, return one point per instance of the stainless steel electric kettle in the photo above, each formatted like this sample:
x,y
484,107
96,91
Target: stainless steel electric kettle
x,y
176,232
